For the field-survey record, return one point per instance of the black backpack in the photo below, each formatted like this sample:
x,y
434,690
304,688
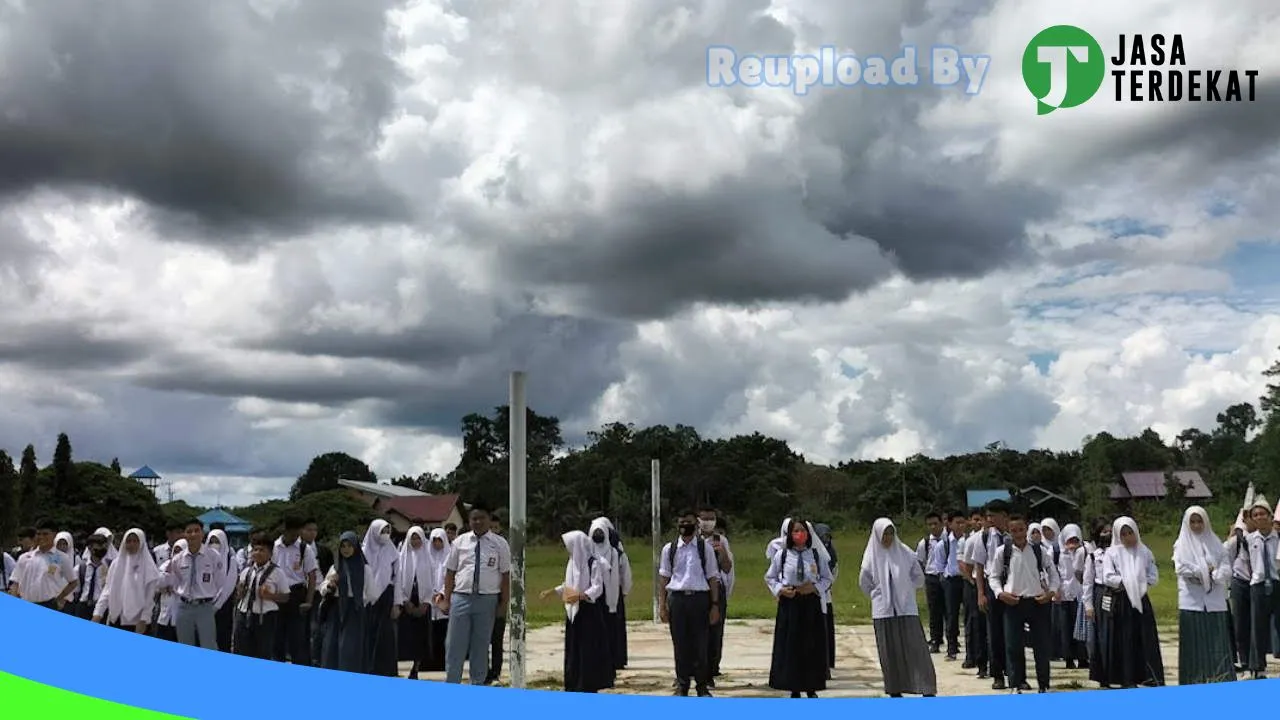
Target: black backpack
x,y
1008,557
702,553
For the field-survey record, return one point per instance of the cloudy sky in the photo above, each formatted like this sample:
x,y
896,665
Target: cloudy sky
x,y
239,236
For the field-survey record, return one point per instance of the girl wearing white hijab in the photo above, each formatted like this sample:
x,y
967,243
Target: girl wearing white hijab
x,y
799,578
604,550
890,576
1034,534
625,581
1051,541
165,624
1204,625
65,543
418,587
1071,618
224,602
778,542
1129,570
384,561
437,555
131,586
588,661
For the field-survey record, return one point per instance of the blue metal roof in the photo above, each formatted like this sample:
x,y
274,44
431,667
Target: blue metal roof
x,y
145,473
233,523
979,498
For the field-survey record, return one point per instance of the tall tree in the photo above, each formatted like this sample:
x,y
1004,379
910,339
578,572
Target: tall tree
x,y
10,498
63,470
29,484
326,470
115,465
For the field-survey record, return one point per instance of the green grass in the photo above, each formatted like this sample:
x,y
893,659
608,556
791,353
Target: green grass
x,y
751,599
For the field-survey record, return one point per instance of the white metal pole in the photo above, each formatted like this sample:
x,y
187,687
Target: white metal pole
x,y
517,510
655,511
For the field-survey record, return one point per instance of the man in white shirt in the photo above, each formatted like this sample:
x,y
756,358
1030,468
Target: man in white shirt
x,y
707,518
198,575
45,575
946,559
297,566
477,586
689,602
1264,585
997,521
933,595
91,578
1024,579
260,589
975,623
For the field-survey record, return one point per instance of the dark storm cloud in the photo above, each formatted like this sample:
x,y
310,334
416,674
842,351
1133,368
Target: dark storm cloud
x,y
570,361
65,346
208,112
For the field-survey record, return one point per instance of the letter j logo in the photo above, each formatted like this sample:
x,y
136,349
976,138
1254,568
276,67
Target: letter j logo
x,y
1063,67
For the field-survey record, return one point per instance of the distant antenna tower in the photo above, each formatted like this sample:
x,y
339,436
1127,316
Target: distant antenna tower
x,y
168,490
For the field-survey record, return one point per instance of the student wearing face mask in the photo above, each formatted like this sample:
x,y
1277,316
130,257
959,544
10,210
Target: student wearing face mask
x,y
689,602
707,519
798,577
92,576
616,583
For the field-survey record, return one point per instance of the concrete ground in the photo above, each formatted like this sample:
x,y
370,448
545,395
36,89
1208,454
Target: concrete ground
x,y
748,647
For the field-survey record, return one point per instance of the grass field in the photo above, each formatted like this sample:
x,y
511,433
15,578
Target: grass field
x,y
751,599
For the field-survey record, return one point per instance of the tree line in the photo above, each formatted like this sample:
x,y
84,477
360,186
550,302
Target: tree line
x,y
754,480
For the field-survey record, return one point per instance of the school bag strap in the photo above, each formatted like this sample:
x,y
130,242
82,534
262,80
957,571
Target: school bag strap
x,y
1008,558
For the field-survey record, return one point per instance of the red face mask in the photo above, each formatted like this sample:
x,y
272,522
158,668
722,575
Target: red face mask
x,y
800,537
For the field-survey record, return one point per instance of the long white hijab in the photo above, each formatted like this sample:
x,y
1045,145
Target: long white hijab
x,y
1197,550
890,566
778,543
416,567
131,581
381,555
605,551
1131,562
577,570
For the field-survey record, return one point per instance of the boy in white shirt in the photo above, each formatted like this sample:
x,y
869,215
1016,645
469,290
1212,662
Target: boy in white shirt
x,y
260,589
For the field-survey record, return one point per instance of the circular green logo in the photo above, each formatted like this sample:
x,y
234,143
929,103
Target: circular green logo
x,y
1063,67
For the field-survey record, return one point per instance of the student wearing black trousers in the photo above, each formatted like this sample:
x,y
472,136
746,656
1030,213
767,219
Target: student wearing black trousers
x,y
947,554
934,598
1264,589
689,603
975,623
498,639
1237,550
1024,580
983,553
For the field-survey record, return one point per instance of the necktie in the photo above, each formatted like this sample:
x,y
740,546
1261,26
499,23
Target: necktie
x,y
1268,558
475,573
93,583
191,577
253,596
800,567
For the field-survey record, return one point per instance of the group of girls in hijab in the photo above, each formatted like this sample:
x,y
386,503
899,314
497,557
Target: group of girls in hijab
x,y
423,625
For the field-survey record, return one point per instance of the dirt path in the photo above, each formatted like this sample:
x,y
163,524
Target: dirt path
x,y
748,646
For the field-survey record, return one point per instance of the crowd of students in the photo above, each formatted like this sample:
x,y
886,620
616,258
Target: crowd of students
x,y
436,600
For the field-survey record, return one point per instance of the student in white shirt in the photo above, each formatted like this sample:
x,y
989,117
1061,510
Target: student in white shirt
x,y
477,587
890,576
91,576
997,512
417,581
824,535
1129,570
1236,547
1264,593
163,613
126,600
384,615
224,603
197,575
297,563
65,544
617,582
1051,541
259,591
1024,579
112,551
689,603
45,575
349,589
1204,626
437,556
588,659
707,520
798,577
946,560
934,598
975,622
1070,612
1093,593
8,566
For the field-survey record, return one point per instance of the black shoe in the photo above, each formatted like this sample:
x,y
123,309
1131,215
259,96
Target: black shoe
x,y
795,696
1043,690
983,674
703,692
951,658
895,695
1025,687
811,695
711,683
998,684
967,665
681,691
933,649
